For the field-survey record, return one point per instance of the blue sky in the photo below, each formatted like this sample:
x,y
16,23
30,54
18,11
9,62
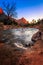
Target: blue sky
x,y
29,9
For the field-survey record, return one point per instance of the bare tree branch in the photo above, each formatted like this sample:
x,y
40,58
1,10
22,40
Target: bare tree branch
x,y
10,9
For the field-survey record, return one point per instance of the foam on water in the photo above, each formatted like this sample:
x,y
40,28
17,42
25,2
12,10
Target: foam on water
x,y
20,37
24,36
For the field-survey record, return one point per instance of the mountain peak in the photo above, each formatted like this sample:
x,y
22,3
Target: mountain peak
x,y
22,21
22,18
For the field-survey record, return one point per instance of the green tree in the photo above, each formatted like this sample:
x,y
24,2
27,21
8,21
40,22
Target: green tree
x,y
33,21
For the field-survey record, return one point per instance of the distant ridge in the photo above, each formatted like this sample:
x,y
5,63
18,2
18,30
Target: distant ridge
x,y
3,17
22,21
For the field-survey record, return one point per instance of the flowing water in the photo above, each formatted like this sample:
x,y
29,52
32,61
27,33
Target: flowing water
x,y
20,37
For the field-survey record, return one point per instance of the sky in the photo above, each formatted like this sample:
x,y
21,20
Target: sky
x,y
29,9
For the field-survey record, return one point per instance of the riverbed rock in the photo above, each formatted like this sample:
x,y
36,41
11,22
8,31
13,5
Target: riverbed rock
x,y
37,36
6,37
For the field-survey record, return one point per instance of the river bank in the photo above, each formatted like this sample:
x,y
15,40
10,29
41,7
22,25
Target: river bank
x,y
10,55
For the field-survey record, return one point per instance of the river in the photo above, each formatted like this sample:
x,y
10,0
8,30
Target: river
x,y
20,37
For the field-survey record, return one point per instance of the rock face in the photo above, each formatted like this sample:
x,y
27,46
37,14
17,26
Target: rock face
x,y
22,21
1,11
37,36
2,15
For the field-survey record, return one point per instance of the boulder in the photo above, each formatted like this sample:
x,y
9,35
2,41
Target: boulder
x,y
37,36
